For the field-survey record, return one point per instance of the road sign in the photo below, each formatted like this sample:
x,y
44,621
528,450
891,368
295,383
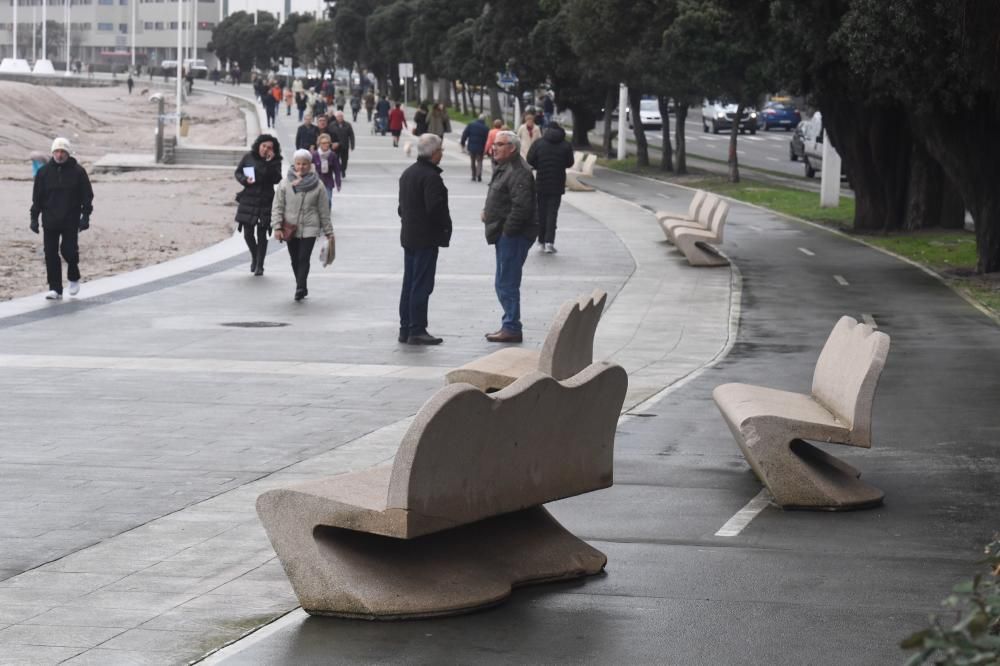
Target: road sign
x,y
406,69
506,80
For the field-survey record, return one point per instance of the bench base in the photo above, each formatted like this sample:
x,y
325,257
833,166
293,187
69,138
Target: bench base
x,y
497,370
366,576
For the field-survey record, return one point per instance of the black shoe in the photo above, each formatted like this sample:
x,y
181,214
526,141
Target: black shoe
x,y
253,264
300,294
259,270
404,334
423,339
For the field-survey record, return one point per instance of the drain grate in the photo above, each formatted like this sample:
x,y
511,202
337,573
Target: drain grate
x,y
254,324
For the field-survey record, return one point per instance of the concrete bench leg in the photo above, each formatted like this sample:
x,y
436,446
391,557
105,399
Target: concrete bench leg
x,y
698,253
351,574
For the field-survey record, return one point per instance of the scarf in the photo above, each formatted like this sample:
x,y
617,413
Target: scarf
x,y
309,181
324,161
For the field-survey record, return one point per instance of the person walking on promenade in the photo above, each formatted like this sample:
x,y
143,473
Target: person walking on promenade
x,y
528,133
289,98
307,133
370,104
397,121
550,158
269,103
497,126
299,201
327,165
130,82
341,101
63,198
425,226
301,102
355,106
509,216
343,135
258,172
548,109
382,111
439,123
420,120
474,141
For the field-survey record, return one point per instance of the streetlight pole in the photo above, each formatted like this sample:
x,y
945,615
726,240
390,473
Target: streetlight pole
x,y
45,53
14,53
622,121
194,29
133,3
66,17
180,59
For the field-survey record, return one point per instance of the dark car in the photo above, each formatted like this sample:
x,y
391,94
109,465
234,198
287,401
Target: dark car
x,y
779,114
797,146
719,115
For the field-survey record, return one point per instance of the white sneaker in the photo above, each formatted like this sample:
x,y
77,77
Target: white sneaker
x,y
74,288
550,248
53,295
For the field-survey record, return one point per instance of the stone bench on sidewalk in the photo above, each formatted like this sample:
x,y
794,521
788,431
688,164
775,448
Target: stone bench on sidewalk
x,y
771,426
456,520
568,348
698,216
696,244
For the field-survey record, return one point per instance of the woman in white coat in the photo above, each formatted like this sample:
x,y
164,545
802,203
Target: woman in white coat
x,y
300,213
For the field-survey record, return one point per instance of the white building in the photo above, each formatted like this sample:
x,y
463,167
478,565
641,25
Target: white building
x,y
100,30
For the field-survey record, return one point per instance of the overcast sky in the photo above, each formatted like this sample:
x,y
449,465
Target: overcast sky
x,y
275,6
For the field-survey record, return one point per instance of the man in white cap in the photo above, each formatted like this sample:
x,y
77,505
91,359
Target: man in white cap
x,y
64,199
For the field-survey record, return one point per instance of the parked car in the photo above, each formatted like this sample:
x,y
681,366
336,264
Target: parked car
x,y
796,145
197,68
812,139
649,114
779,114
719,116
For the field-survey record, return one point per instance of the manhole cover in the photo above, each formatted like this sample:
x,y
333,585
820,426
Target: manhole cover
x,y
255,324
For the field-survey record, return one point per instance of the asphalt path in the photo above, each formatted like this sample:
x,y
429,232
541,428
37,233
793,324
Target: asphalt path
x,y
791,587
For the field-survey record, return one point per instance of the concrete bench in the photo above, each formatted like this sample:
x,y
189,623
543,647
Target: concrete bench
x,y
699,215
583,165
568,348
455,521
771,426
695,244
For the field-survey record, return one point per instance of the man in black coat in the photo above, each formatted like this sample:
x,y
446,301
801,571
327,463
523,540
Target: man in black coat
x,y
63,198
307,134
343,135
426,226
550,157
258,172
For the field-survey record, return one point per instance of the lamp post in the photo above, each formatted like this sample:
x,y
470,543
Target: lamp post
x,y
45,6
180,59
14,53
134,9
66,17
622,122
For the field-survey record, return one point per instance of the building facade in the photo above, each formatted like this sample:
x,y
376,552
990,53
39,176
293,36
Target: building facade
x,y
100,30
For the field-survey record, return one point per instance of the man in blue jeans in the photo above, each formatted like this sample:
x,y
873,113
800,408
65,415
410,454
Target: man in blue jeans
x,y
509,216
425,226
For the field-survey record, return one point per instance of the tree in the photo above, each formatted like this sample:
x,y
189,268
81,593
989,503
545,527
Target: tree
x,y
386,30
237,39
283,41
55,40
348,18
315,44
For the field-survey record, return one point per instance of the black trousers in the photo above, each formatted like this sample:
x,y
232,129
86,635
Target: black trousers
x,y
300,251
476,162
342,155
258,247
419,267
548,211
65,241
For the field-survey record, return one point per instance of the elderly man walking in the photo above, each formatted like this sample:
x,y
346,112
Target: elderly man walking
x,y
509,216
64,199
343,135
425,227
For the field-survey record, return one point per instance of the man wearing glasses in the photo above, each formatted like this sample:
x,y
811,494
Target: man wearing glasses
x,y
511,227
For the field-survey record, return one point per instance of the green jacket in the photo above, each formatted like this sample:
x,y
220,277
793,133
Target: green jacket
x,y
510,203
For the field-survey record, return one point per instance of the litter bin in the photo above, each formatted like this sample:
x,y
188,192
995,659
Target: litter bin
x,y
185,125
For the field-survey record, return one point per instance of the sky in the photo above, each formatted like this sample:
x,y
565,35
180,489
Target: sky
x,y
275,6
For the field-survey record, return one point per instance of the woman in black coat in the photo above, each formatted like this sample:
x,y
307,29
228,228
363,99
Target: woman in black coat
x,y
258,172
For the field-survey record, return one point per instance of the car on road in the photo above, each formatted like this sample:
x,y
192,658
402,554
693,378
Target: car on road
x,y
812,139
649,114
779,114
796,145
719,115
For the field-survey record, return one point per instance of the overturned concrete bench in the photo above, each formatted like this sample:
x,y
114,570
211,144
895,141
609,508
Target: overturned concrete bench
x,y
455,522
771,426
699,215
568,349
696,244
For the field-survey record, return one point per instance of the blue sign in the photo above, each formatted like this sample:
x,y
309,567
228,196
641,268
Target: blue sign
x,y
506,80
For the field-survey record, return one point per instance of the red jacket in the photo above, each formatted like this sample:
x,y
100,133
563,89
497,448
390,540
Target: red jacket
x,y
397,120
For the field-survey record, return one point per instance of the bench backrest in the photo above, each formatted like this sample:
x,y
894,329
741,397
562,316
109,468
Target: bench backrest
x,y
696,203
847,373
577,160
708,208
718,219
469,455
569,344
588,164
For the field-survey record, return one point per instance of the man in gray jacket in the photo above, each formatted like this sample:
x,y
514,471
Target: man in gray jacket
x,y
509,216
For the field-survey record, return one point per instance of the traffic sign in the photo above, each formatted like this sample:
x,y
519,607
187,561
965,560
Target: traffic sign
x,y
506,79
406,69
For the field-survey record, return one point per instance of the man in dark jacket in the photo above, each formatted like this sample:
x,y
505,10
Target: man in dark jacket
x,y
509,216
474,141
258,172
63,198
426,226
343,135
306,135
550,158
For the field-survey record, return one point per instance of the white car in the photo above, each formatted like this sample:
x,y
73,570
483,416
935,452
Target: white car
x,y
717,116
649,114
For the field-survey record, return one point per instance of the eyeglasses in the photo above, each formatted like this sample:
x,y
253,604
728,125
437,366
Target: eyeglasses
x,y
505,143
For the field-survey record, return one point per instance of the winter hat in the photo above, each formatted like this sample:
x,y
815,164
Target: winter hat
x,y
60,144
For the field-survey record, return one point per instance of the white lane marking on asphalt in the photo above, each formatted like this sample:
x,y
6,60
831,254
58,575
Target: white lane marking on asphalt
x,y
665,196
296,616
753,138
738,522
869,319
622,183
772,159
841,281
808,253
755,228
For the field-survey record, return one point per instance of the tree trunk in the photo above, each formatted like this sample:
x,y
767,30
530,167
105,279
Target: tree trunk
x,y
667,152
609,105
734,132
495,109
682,112
583,122
641,145
932,200
445,91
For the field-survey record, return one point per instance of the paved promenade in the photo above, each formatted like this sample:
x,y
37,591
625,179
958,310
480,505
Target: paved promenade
x,y
141,421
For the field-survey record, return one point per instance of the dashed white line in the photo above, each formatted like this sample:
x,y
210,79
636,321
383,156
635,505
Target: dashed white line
x,y
738,522
841,281
755,228
623,184
771,159
808,253
665,196
869,319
